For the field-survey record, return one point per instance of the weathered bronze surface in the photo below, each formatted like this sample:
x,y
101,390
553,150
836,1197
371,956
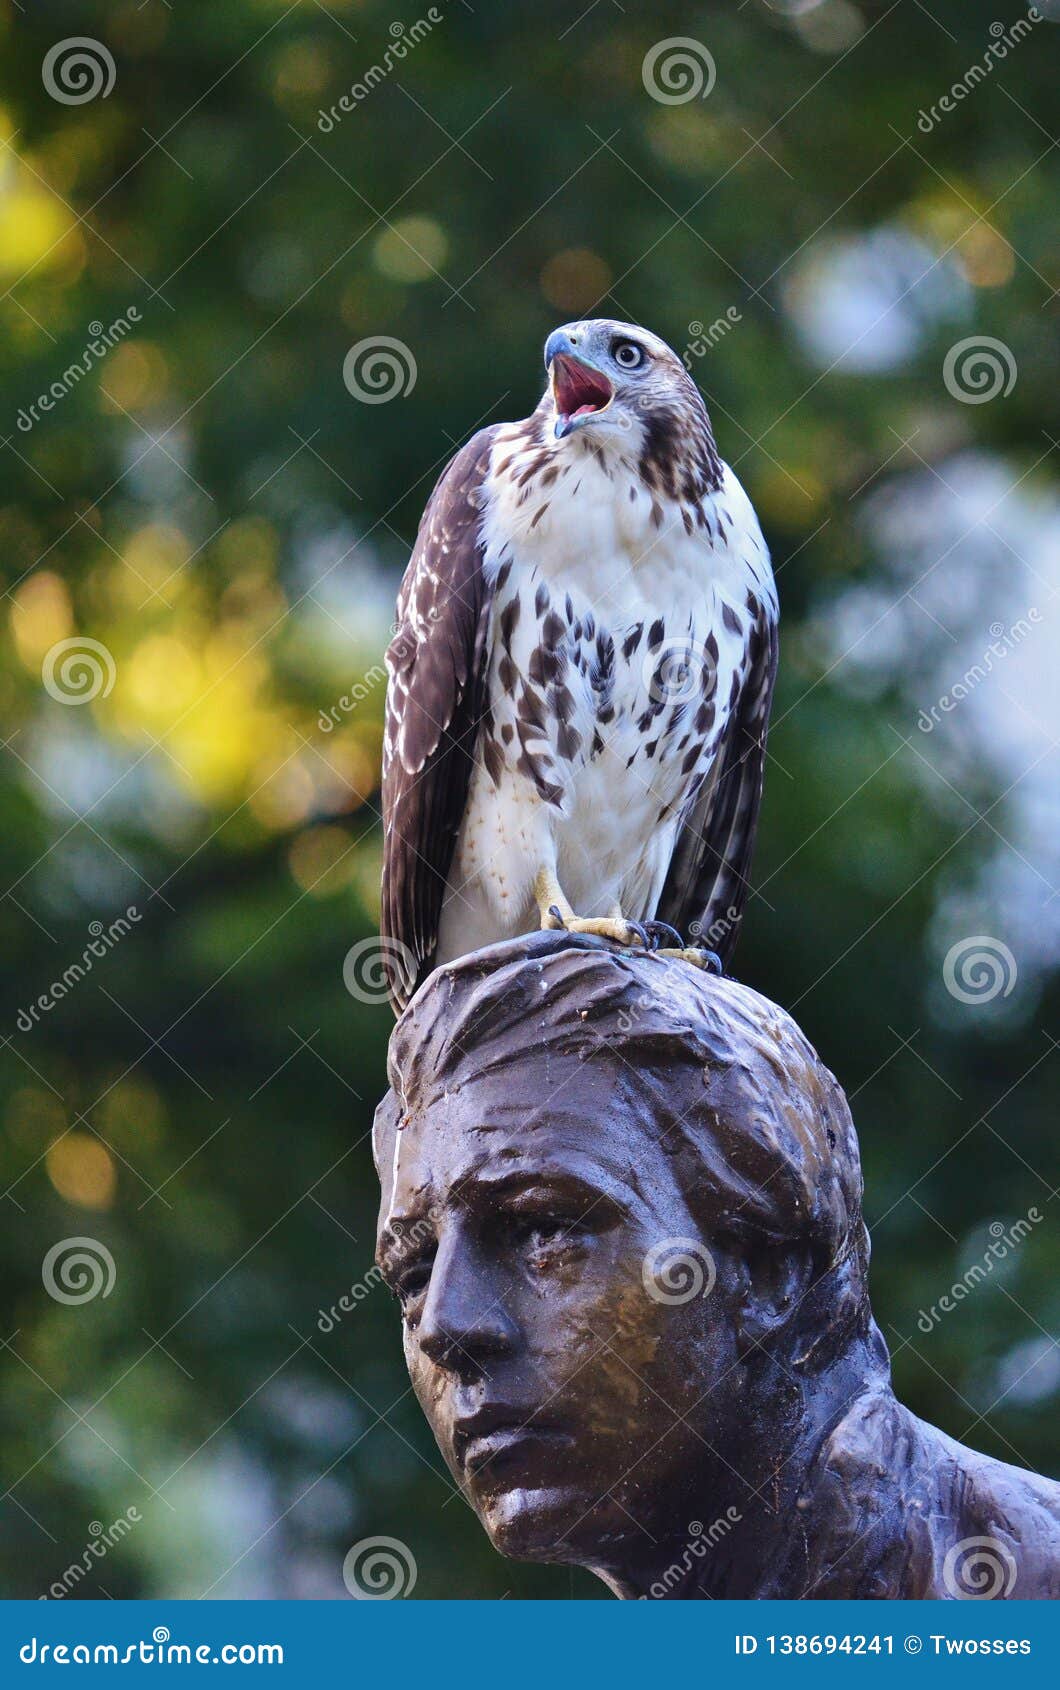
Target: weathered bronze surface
x,y
622,1208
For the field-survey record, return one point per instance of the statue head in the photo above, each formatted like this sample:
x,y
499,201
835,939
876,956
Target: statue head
x,y
622,1212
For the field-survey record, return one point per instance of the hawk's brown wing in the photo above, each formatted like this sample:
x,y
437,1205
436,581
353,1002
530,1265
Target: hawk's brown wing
x,y
436,663
707,882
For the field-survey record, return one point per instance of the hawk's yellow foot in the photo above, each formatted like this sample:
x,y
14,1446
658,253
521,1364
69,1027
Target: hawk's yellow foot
x,y
607,926
557,915
698,956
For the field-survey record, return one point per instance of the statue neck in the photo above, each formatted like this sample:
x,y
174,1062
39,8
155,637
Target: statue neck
x,y
770,1527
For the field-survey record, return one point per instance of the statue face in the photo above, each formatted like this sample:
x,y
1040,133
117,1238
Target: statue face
x,y
574,1406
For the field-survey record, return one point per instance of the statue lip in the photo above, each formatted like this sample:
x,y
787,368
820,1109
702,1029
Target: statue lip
x,y
497,1430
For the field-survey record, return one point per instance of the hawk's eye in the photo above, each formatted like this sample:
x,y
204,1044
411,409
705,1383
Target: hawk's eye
x,y
628,354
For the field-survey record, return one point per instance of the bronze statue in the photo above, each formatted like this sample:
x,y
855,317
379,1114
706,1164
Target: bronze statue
x,y
622,1210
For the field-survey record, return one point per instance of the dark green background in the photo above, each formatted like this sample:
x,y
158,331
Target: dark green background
x,y
276,1446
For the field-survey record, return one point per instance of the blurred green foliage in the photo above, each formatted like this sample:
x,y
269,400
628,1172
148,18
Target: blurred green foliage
x,y
212,505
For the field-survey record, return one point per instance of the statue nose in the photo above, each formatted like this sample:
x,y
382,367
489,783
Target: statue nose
x,y
463,1343
463,1322
559,341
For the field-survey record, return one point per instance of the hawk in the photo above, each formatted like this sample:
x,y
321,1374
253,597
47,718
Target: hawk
x,y
580,681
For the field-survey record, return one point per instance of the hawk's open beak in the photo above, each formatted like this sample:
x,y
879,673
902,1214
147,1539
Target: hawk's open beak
x,y
579,391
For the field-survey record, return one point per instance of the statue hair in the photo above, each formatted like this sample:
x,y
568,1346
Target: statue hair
x,y
759,1130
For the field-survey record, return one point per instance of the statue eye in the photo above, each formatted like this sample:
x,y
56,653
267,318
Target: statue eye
x,y
541,1232
413,1282
628,354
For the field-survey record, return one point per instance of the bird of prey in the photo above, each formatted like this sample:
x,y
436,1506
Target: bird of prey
x,y
580,681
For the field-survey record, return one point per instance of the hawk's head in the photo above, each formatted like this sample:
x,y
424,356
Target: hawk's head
x,y
618,384
610,376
